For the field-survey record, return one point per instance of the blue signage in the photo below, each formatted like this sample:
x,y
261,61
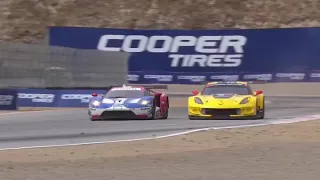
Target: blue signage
x,y
76,98
36,98
8,99
286,54
55,98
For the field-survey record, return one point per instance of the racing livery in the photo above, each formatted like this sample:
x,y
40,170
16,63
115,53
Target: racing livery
x,y
226,100
129,102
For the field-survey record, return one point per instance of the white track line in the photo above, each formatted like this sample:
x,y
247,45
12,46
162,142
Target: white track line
x,y
21,112
31,111
280,121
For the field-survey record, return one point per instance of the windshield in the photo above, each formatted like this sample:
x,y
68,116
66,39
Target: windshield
x,y
124,94
225,89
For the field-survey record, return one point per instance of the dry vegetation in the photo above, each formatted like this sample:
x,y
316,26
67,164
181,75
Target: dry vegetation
x,y
26,20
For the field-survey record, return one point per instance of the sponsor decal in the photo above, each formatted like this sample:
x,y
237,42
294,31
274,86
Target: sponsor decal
x,y
6,100
133,77
37,98
292,76
225,77
210,51
262,77
193,78
165,78
315,75
84,98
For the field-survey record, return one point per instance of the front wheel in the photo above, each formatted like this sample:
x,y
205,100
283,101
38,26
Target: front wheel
x,y
153,113
261,114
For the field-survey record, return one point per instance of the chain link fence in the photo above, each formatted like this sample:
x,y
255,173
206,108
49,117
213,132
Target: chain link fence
x,y
39,66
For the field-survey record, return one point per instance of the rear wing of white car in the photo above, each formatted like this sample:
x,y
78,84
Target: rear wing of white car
x,y
149,87
155,86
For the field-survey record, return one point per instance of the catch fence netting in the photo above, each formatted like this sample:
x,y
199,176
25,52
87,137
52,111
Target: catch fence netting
x,y
39,66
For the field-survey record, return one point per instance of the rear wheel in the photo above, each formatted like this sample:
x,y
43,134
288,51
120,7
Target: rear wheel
x,y
167,112
260,112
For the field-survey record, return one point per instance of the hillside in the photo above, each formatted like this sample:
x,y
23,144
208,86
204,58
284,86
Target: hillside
x,y
26,21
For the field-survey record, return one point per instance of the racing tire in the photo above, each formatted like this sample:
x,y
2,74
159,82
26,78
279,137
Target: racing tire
x,y
153,113
260,112
167,113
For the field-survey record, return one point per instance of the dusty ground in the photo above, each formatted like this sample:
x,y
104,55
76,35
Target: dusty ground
x,y
279,152
26,21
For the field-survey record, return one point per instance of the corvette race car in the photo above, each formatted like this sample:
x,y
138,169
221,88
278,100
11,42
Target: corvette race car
x,y
129,102
226,100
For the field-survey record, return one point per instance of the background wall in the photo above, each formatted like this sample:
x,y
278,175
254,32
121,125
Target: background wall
x,y
32,65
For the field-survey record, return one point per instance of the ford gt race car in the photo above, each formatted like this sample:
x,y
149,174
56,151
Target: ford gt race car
x,y
226,100
129,102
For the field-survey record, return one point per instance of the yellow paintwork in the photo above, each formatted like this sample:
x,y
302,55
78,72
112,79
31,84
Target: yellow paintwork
x,y
248,109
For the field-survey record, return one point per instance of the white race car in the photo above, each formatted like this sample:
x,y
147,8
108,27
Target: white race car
x,y
129,102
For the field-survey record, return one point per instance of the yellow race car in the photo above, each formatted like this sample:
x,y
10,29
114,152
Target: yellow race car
x,y
226,100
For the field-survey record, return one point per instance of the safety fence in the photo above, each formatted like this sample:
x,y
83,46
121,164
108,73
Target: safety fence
x,y
40,66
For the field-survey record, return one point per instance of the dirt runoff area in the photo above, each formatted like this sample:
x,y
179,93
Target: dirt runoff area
x,y
288,151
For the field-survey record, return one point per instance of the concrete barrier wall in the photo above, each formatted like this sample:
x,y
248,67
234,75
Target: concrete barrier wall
x,y
32,65
271,89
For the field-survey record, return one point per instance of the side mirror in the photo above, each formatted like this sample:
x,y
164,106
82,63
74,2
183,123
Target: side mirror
x,y
94,94
195,93
257,92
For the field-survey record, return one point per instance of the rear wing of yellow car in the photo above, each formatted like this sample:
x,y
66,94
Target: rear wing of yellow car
x,y
237,82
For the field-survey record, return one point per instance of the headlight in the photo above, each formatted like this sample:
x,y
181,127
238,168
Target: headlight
x,y
198,100
107,101
96,103
133,100
145,102
245,100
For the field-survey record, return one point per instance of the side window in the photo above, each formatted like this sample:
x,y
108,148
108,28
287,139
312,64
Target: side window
x,y
204,91
147,93
250,90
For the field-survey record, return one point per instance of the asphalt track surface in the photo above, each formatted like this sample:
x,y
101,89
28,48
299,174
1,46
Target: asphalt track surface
x,y
73,126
